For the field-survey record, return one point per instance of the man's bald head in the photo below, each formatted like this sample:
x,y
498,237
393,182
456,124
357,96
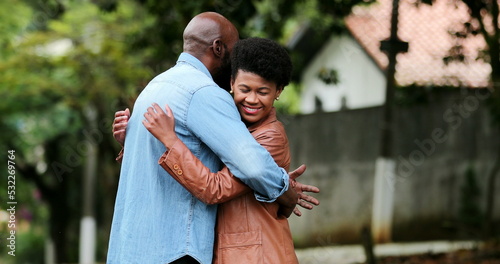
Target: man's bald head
x,y
210,37
204,29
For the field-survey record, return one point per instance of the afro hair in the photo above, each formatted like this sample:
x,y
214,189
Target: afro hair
x,y
263,57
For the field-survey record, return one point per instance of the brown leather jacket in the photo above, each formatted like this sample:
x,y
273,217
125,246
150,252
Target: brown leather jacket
x,y
248,231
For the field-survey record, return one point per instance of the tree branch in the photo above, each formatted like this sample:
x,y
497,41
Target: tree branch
x,y
475,13
494,14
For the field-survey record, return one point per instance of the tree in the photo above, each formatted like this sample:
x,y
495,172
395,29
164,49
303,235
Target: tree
x,y
55,77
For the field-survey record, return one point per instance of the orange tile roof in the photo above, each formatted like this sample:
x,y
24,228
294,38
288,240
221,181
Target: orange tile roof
x,y
427,29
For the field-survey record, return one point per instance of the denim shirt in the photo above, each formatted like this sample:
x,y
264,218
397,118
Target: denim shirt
x,y
155,219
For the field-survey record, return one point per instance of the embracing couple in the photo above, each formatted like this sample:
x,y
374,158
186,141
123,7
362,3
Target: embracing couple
x,y
204,175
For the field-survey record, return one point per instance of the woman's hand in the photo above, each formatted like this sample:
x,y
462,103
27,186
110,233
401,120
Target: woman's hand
x,y
120,125
161,124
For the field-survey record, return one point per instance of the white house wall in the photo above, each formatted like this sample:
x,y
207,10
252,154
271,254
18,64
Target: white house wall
x,y
361,82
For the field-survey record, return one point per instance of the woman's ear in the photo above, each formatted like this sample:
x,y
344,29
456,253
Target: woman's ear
x,y
278,91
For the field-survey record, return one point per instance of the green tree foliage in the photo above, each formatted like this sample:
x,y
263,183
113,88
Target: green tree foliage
x,y
62,83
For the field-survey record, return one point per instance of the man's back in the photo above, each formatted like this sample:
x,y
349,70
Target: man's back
x,y
156,220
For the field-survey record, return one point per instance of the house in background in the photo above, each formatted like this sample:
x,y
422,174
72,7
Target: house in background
x,y
340,148
359,63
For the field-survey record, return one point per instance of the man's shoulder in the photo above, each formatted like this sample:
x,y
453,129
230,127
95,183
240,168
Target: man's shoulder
x,y
188,72
189,78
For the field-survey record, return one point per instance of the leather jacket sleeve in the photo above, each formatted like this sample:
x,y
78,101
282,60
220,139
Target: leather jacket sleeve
x,y
209,187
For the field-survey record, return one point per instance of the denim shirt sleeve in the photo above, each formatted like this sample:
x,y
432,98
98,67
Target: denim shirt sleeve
x,y
214,119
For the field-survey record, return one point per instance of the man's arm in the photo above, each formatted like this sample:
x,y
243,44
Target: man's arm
x,y
214,119
186,168
215,187
190,172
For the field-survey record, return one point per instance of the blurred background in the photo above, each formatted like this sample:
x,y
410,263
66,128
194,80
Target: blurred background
x,y
394,108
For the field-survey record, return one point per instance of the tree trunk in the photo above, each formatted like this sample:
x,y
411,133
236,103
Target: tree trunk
x,y
385,169
367,241
494,105
59,223
88,223
490,198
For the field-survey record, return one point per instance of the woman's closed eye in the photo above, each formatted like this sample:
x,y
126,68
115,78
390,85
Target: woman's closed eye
x,y
244,90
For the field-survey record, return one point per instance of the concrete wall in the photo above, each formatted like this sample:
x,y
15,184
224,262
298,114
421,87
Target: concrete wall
x,y
436,140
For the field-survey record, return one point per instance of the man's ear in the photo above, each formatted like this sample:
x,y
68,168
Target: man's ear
x,y
218,48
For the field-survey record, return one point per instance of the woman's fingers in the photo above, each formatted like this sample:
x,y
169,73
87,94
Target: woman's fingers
x,y
149,115
157,108
169,111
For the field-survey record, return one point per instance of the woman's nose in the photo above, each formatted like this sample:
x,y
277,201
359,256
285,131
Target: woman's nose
x,y
251,98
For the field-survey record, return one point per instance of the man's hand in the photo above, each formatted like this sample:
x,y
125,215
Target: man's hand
x,y
304,200
287,201
120,125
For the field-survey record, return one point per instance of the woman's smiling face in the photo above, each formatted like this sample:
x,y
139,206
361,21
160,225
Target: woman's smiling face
x,y
254,96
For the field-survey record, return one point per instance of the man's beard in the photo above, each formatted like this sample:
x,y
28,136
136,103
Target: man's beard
x,y
223,76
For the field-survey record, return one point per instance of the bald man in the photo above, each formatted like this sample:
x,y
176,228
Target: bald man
x,y
156,220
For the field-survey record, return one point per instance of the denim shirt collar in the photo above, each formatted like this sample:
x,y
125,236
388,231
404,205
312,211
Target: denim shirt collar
x,y
193,61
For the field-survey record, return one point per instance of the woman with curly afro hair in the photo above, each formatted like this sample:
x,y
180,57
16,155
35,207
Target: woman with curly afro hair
x,y
247,231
